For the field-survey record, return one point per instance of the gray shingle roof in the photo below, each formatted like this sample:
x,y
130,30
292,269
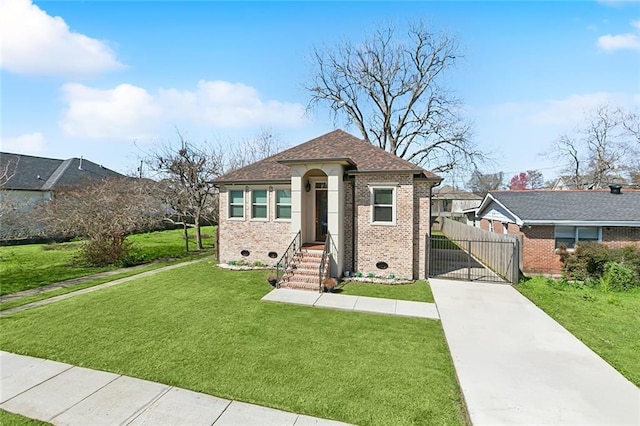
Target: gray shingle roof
x,y
579,206
45,174
334,146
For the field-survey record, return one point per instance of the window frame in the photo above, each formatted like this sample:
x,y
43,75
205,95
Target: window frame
x,y
230,204
576,235
276,204
265,204
394,204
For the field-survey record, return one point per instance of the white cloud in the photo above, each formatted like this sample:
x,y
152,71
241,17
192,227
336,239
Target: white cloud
x,y
570,110
123,112
35,43
131,112
626,41
28,144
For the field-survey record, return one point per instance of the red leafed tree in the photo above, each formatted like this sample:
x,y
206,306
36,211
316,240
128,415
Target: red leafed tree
x,y
519,181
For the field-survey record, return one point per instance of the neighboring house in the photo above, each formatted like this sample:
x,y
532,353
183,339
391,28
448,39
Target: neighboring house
x,y
375,206
453,203
27,180
548,220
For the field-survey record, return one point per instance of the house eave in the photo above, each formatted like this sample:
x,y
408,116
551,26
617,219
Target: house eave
x,y
339,160
219,183
611,223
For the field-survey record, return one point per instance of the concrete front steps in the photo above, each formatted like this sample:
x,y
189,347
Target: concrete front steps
x,y
302,273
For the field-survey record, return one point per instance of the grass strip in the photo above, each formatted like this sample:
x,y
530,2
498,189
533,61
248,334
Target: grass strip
x,y
418,291
11,419
91,283
205,329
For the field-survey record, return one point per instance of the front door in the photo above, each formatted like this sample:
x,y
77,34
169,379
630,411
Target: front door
x,y
321,214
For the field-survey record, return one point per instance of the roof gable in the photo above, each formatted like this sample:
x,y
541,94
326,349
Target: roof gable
x,y
532,207
335,146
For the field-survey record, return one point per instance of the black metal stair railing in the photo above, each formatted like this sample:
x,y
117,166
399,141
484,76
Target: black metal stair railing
x,y
325,264
284,262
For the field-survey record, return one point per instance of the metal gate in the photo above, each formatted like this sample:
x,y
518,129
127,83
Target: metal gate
x,y
473,260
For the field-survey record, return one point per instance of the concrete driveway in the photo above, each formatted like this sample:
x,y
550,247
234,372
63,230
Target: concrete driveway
x,y
517,366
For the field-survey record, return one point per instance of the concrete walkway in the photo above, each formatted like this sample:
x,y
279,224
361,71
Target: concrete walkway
x,y
517,366
354,303
66,395
91,289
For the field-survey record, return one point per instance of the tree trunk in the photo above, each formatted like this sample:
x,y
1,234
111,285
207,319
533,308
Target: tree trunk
x,y
186,235
198,236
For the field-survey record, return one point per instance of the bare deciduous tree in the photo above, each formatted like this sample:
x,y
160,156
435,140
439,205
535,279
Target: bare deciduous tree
x,y
105,212
264,144
187,173
391,90
480,183
604,148
536,179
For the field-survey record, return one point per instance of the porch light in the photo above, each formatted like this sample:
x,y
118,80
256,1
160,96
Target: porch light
x,y
307,187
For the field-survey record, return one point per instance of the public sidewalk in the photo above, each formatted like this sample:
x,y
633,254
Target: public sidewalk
x,y
354,303
66,395
518,366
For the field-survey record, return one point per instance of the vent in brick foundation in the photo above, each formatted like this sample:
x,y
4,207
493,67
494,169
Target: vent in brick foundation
x,y
245,253
273,255
382,265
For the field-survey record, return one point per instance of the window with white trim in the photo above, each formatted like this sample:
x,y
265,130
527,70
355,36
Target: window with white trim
x,y
570,235
283,204
236,204
259,205
383,205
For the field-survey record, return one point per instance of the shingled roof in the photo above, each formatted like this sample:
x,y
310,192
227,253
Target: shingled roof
x,y
46,174
538,207
335,146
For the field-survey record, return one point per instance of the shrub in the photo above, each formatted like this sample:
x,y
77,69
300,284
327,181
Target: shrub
x,y
588,262
617,277
106,251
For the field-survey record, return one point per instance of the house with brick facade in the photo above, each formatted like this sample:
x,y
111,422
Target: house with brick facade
x,y
547,220
367,210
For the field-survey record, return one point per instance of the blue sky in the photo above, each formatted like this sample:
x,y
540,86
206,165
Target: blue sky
x,y
106,80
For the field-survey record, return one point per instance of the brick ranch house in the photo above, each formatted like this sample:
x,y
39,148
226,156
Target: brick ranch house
x,y
545,220
374,205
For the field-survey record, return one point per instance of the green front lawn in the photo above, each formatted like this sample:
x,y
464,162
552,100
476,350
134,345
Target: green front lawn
x,y
419,291
34,265
11,419
205,329
607,322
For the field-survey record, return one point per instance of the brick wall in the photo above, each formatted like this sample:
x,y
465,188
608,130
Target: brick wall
x,y
421,226
385,243
259,237
617,237
348,226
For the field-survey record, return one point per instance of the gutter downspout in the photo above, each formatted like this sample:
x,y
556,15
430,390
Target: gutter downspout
x,y
427,255
353,225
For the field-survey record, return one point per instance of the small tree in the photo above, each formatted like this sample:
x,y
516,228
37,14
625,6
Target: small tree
x,y
519,182
480,183
105,212
187,173
536,179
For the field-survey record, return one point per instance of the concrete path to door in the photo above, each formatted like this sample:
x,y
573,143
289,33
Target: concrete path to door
x,y
66,395
518,366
